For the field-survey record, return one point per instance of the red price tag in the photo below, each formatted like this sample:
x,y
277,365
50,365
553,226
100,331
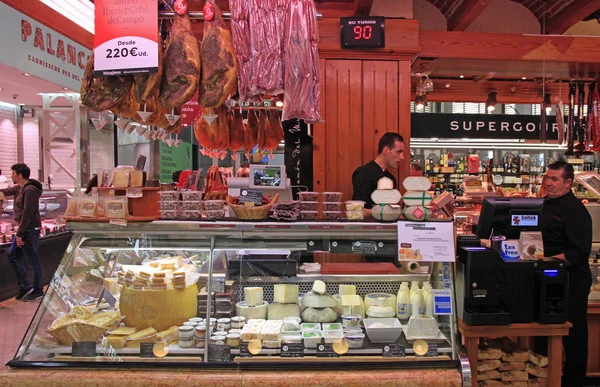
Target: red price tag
x,y
209,11
181,7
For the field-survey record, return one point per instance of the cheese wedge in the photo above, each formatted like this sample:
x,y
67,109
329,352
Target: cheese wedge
x,y
122,331
144,274
169,335
159,274
114,341
253,296
319,287
143,334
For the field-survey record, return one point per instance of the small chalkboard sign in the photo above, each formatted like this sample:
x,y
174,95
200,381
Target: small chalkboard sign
x,y
244,349
326,350
219,353
251,196
432,351
393,350
218,285
292,350
147,350
83,349
364,247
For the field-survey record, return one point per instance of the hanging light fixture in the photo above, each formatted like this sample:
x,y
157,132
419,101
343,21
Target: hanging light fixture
x,y
547,103
420,102
490,104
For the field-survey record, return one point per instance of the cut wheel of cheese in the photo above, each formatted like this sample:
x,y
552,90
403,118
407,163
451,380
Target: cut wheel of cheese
x,y
251,312
380,299
286,293
381,311
253,296
386,196
311,300
319,315
352,300
416,213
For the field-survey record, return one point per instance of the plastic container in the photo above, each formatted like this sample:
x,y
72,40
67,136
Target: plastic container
x,y
351,321
171,205
332,196
188,205
331,215
333,336
233,340
186,332
191,195
355,339
217,340
212,205
383,330
292,338
271,343
355,215
308,215
332,326
422,327
169,215
223,324
332,206
214,214
309,206
190,214
311,327
168,195
308,196
311,338
354,205
238,322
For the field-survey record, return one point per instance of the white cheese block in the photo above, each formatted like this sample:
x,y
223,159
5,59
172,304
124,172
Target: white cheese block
x,y
416,183
319,315
311,300
319,287
386,196
281,311
347,290
416,213
385,183
251,312
338,305
352,300
286,294
417,198
381,311
253,296
380,299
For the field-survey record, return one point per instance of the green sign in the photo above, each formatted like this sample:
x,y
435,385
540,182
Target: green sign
x,y
174,159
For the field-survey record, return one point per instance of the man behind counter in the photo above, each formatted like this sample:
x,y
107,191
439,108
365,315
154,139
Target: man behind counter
x,y
364,179
566,227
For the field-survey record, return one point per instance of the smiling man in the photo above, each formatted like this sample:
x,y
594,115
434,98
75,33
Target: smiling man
x,y
364,179
566,227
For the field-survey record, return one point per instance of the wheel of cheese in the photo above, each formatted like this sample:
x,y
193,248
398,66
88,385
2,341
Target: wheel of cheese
x,y
416,213
416,183
386,196
417,198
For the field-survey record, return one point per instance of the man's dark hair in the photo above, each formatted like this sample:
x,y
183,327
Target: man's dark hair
x,y
567,169
388,140
22,169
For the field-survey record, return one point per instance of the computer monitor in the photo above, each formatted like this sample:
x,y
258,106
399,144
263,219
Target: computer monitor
x,y
509,216
267,176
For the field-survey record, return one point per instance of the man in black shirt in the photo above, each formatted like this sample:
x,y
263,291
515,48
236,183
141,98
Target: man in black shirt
x,y
566,227
365,178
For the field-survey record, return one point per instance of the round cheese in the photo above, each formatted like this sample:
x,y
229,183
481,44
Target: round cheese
x,y
381,311
319,315
252,312
417,198
416,183
386,212
380,299
417,213
386,196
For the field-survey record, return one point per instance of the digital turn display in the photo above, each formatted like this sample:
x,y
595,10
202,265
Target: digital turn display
x,y
362,32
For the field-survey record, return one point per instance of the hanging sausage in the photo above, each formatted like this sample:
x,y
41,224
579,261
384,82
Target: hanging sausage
x,y
571,121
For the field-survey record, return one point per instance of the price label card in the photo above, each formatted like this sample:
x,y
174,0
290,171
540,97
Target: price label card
x,y
125,38
218,285
244,349
442,302
251,196
432,351
147,350
219,353
393,350
292,350
83,349
426,241
364,247
326,350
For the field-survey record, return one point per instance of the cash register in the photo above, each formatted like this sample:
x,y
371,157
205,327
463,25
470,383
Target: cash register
x,y
496,290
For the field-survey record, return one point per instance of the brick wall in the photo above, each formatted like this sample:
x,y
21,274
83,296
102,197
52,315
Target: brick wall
x,y
8,136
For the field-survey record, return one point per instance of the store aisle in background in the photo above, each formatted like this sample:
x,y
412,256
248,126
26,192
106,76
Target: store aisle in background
x,y
15,317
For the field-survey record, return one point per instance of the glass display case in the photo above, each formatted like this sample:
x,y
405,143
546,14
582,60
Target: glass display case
x,y
137,295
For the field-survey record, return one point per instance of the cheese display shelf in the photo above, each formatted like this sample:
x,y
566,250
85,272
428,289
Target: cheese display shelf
x,y
136,295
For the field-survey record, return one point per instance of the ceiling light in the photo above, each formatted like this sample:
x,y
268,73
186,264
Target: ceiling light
x,y
547,103
1,89
65,88
26,74
490,104
80,12
21,104
419,102
461,76
524,78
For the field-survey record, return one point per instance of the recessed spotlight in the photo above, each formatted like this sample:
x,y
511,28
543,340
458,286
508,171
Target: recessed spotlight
x,y
26,74
21,104
1,89
461,76
65,88
524,78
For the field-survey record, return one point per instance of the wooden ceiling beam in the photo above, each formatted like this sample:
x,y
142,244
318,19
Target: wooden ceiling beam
x,y
466,13
363,7
571,15
477,45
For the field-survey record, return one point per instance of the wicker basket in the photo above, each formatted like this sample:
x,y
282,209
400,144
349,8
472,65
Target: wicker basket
x,y
252,213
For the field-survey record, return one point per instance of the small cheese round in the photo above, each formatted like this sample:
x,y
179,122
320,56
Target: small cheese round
x,y
385,183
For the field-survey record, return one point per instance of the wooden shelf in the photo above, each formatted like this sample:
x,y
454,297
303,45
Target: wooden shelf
x,y
129,219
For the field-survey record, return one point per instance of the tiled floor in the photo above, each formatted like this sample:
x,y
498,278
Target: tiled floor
x,y
15,317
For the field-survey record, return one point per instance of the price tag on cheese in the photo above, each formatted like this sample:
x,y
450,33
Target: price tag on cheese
x,y
126,37
326,350
292,350
393,350
83,349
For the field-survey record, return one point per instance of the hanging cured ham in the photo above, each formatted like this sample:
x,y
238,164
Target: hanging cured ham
x,y
146,85
571,128
264,127
240,33
181,73
103,93
219,62
560,120
275,135
236,131
222,140
251,134
595,113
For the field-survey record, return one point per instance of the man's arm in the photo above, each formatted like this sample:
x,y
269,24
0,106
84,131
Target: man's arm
x,y
579,236
11,191
30,206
